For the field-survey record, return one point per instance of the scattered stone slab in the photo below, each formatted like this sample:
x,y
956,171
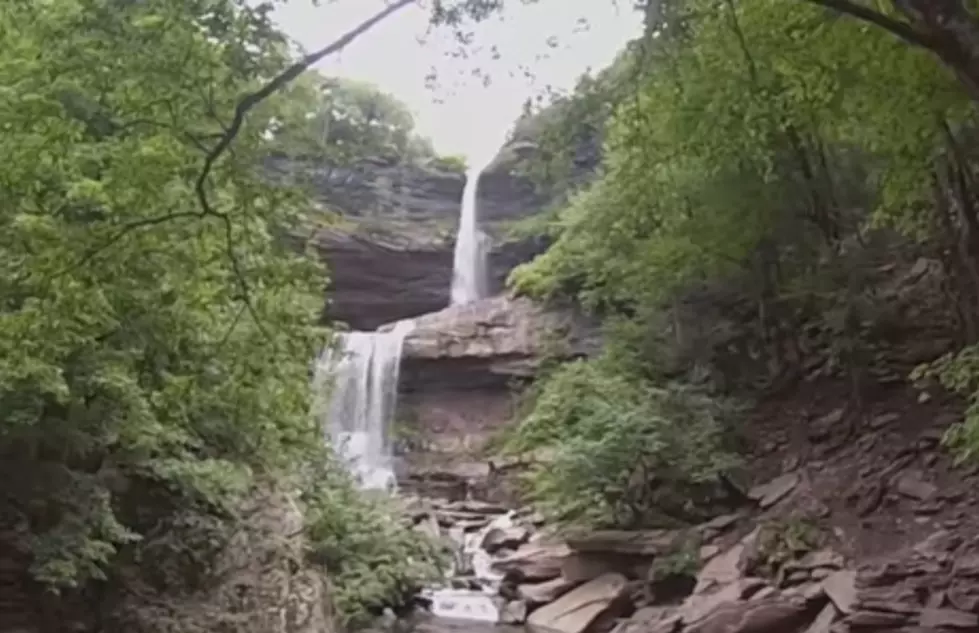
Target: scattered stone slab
x,y
821,559
880,421
643,542
967,566
767,495
811,592
876,619
475,507
650,620
698,606
776,613
514,612
583,566
429,526
575,611
544,592
964,598
708,552
912,484
841,587
822,427
721,523
728,566
459,516
534,562
824,621
948,618
498,538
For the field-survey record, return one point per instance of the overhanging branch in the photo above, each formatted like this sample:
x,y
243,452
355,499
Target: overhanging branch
x,y
246,104
903,30
223,144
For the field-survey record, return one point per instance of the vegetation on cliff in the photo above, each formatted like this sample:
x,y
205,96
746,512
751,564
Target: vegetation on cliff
x,y
766,164
156,327
341,120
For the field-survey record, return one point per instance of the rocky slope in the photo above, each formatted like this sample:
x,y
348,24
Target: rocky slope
x,y
858,523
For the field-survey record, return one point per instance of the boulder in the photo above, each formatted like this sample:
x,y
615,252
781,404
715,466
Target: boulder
x,y
637,542
824,621
651,620
497,538
544,592
487,343
533,562
701,604
842,590
582,566
770,493
770,615
514,612
575,611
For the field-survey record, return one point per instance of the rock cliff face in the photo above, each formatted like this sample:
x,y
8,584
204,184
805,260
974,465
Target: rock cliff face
x,y
505,193
390,256
458,370
487,343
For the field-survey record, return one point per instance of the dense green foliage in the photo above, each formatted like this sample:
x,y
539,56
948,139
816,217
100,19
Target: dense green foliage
x,y
155,327
765,159
340,119
142,336
373,559
699,169
620,451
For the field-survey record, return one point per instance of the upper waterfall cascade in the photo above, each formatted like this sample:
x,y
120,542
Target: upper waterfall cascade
x,y
470,280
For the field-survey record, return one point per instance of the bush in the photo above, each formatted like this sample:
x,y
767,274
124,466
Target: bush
x,y
957,372
622,453
374,560
454,164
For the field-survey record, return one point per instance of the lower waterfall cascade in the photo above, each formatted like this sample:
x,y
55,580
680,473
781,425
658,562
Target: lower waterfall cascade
x,y
356,386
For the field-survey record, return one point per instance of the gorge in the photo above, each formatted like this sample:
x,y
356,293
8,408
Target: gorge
x,y
356,378
727,381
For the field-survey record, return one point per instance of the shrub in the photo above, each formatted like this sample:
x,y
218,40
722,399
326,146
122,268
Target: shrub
x,y
958,372
622,452
454,164
374,560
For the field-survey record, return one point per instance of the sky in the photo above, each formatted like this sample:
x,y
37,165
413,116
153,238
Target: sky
x,y
461,114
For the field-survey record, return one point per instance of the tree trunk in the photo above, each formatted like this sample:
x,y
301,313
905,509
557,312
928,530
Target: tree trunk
x,y
945,27
953,32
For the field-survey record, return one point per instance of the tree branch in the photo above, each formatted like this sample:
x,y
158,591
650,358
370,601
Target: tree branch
x,y
902,30
247,103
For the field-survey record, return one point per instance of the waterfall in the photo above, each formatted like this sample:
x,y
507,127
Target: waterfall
x,y
469,276
356,387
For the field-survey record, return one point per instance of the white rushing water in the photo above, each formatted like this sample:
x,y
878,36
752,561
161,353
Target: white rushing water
x,y
356,384
469,277
479,604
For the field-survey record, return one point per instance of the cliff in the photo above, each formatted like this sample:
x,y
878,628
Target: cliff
x,y
390,255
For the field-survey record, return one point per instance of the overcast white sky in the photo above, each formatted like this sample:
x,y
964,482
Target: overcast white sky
x,y
462,116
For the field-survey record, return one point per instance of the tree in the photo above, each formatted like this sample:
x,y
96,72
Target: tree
x,y
947,28
340,120
156,328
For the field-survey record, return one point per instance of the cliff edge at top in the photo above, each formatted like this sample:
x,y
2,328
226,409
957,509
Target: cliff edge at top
x,y
390,255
